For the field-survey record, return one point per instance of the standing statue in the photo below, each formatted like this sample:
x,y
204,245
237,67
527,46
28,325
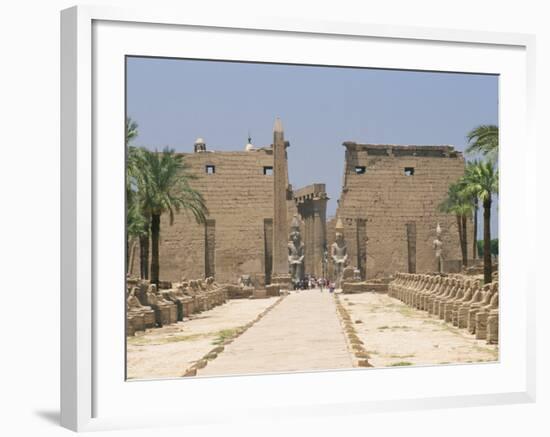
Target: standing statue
x,y
296,252
339,253
438,247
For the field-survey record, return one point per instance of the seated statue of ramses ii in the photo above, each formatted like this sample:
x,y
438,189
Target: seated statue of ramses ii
x,y
296,252
339,253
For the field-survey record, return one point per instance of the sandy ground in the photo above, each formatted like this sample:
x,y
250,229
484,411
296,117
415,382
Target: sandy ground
x,y
395,334
302,333
169,351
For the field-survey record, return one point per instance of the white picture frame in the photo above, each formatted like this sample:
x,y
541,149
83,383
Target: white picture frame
x,y
93,396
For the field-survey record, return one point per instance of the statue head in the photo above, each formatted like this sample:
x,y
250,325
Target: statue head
x,y
339,230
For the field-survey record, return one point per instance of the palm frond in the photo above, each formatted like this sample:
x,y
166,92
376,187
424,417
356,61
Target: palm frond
x,y
131,130
163,184
484,140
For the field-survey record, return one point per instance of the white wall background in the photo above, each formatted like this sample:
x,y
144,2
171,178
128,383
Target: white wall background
x,y
29,214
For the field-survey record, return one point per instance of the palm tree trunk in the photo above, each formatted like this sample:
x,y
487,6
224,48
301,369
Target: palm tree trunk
x,y
460,236
155,233
130,269
474,246
487,264
465,240
144,256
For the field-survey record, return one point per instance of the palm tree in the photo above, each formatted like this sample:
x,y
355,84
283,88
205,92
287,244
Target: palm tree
x,y
475,204
167,190
136,230
136,192
131,130
484,139
134,225
482,181
459,202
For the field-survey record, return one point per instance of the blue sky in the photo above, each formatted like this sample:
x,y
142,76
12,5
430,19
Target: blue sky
x,y
175,101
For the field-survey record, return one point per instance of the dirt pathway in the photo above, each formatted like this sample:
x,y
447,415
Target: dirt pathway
x,y
170,350
395,334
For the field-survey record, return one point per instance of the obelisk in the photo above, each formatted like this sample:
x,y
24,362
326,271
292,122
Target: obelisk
x,y
280,268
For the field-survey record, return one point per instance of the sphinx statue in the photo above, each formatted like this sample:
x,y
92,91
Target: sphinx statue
x,y
339,253
296,252
141,316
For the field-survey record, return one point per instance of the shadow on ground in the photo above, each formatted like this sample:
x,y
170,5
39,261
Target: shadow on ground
x,y
50,416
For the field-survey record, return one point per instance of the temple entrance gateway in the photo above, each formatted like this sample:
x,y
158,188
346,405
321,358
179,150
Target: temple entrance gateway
x,y
311,203
388,214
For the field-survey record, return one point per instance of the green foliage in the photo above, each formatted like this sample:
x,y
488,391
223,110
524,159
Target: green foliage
x,y
479,183
458,200
226,334
494,247
156,183
484,140
481,180
136,222
131,130
163,185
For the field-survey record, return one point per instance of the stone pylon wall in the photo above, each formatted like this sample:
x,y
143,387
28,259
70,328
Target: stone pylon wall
x,y
379,195
239,197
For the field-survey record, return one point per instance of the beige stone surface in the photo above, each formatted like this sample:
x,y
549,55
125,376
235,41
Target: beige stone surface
x,y
377,205
239,198
170,350
385,201
396,334
301,333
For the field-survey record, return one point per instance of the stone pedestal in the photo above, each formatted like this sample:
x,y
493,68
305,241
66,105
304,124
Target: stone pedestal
x,y
130,329
136,321
481,325
492,327
472,312
364,286
463,316
259,294
187,304
284,281
238,292
273,289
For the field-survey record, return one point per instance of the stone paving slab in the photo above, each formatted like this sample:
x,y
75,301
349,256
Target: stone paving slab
x,y
169,351
301,333
395,334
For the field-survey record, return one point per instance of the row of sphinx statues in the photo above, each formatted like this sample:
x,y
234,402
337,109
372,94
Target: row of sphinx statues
x,y
148,306
460,301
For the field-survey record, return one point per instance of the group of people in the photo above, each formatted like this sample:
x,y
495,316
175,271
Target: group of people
x,y
310,282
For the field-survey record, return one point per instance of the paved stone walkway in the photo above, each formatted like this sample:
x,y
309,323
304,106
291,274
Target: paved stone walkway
x,y
301,333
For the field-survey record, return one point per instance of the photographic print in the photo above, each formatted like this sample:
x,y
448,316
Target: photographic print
x,y
291,218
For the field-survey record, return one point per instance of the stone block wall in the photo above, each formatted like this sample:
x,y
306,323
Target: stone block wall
x,y
239,197
381,194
